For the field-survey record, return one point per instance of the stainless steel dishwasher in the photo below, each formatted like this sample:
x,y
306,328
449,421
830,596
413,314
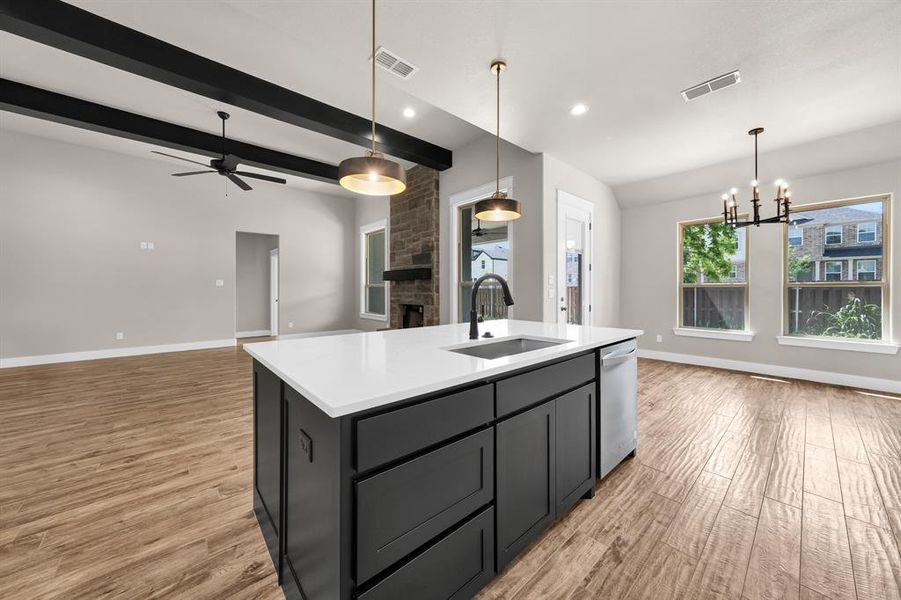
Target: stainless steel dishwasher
x,y
618,414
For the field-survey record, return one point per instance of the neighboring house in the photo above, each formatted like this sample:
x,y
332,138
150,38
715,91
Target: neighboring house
x,y
841,244
490,258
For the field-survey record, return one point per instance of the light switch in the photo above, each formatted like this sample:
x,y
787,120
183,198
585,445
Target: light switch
x,y
220,282
120,335
150,245
143,245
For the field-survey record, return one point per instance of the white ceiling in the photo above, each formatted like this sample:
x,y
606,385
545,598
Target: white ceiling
x,y
809,71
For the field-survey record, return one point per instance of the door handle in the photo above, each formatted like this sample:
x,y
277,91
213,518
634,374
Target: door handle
x,y
617,356
562,309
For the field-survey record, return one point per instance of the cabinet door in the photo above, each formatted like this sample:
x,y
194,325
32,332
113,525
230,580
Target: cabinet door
x,y
267,423
525,497
576,435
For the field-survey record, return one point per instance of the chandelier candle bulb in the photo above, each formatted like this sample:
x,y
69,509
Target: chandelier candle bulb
x,y
730,210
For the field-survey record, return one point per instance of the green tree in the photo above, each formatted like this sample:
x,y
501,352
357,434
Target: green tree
x,y
797,265
706,250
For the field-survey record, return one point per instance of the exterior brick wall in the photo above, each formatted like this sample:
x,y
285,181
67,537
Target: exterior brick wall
x,y
814,246
414,243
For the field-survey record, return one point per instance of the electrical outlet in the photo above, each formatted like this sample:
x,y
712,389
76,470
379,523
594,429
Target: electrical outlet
x,y
150,246
220,282
659,338
143,245
290,324
120,335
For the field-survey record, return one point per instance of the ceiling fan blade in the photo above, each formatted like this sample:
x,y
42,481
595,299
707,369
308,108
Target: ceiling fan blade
x,y
180,158
191,173
238,182
263,177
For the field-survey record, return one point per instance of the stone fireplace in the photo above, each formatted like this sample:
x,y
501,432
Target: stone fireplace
x,y
414,245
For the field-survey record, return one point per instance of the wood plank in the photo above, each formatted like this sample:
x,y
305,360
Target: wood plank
x,y
825,552
666,574
691,527
786,479
848,443
887,472
727,455
821,473
819,431
876,560
749,483
792,431
774,570
723,564
860,493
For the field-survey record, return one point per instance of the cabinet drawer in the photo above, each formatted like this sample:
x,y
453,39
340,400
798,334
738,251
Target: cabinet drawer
x,y
392,435
404,507
454,568
530,388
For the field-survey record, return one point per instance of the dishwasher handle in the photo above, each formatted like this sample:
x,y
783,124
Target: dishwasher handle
x,y
616,357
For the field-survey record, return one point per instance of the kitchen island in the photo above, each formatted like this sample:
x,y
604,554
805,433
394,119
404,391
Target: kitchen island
x,y
417,463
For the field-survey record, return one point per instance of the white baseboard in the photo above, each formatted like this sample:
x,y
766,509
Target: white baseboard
x,y
291,336
844,379
253,333
45,359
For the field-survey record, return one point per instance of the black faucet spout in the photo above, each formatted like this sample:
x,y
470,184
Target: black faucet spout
x,y
473,313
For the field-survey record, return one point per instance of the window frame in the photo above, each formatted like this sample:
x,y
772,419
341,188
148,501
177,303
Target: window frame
x,y
799,230
680,275
841,270
841,235
884,283
857,263
875,229
365,232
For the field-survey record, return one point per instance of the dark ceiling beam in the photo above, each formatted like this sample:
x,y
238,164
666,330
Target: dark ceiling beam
x,y
50,106
77,31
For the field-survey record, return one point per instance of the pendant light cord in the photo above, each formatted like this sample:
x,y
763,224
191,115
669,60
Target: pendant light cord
x,y
497,149
373,77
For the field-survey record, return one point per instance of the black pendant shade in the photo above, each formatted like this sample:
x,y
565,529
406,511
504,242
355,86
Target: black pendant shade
x,y
372,176
498,208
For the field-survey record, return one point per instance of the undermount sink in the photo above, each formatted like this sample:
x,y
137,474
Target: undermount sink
x,y
508,347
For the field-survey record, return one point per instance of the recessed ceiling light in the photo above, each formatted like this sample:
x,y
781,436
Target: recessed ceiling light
x,y
409,113
578,109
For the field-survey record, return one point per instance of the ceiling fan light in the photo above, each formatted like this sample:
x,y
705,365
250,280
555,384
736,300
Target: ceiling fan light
x,y
372,176
498,208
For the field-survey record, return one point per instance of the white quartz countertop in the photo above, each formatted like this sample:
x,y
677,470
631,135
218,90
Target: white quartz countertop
x,y
345,374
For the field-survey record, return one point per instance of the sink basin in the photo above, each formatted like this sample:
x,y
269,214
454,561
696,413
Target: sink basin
x,y
508,347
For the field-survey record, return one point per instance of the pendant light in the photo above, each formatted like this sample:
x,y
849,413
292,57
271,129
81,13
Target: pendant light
x,y
498,207
373,174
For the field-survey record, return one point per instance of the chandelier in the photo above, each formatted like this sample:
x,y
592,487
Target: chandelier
x,y
782,199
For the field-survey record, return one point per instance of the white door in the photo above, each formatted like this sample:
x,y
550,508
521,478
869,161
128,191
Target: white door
x,y
573,297
273,292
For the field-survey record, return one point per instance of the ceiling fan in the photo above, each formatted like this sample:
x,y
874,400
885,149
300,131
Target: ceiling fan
x,y
478,231
226,165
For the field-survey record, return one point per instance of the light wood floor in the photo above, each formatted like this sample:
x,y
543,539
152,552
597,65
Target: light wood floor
x,y
131,478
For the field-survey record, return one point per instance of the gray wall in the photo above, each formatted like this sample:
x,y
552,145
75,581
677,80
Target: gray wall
x,y
369,209
474,166
650,277
252,280
606,261
72,273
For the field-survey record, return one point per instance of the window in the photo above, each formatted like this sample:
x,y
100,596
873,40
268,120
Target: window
x,y
848,295
795,236
713,291
833,270
478,241
866,270
373,250
866,232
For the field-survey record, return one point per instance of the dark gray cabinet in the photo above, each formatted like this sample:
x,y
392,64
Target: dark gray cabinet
x,y
402,508
267,458
526,474
576,438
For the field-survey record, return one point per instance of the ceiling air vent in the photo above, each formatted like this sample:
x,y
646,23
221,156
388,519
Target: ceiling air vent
x,y
712,85
395,64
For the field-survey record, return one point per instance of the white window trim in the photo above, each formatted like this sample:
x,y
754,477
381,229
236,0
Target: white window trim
x,y
732,335
841,235
799,230
873,241
456,202
841,270
838,344
364,230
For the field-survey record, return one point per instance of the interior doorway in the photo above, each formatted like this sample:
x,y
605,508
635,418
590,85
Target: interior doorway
x,y
256,284
574,257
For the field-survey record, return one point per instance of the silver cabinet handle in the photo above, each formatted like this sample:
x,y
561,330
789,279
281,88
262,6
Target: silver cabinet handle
x,y
613,356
